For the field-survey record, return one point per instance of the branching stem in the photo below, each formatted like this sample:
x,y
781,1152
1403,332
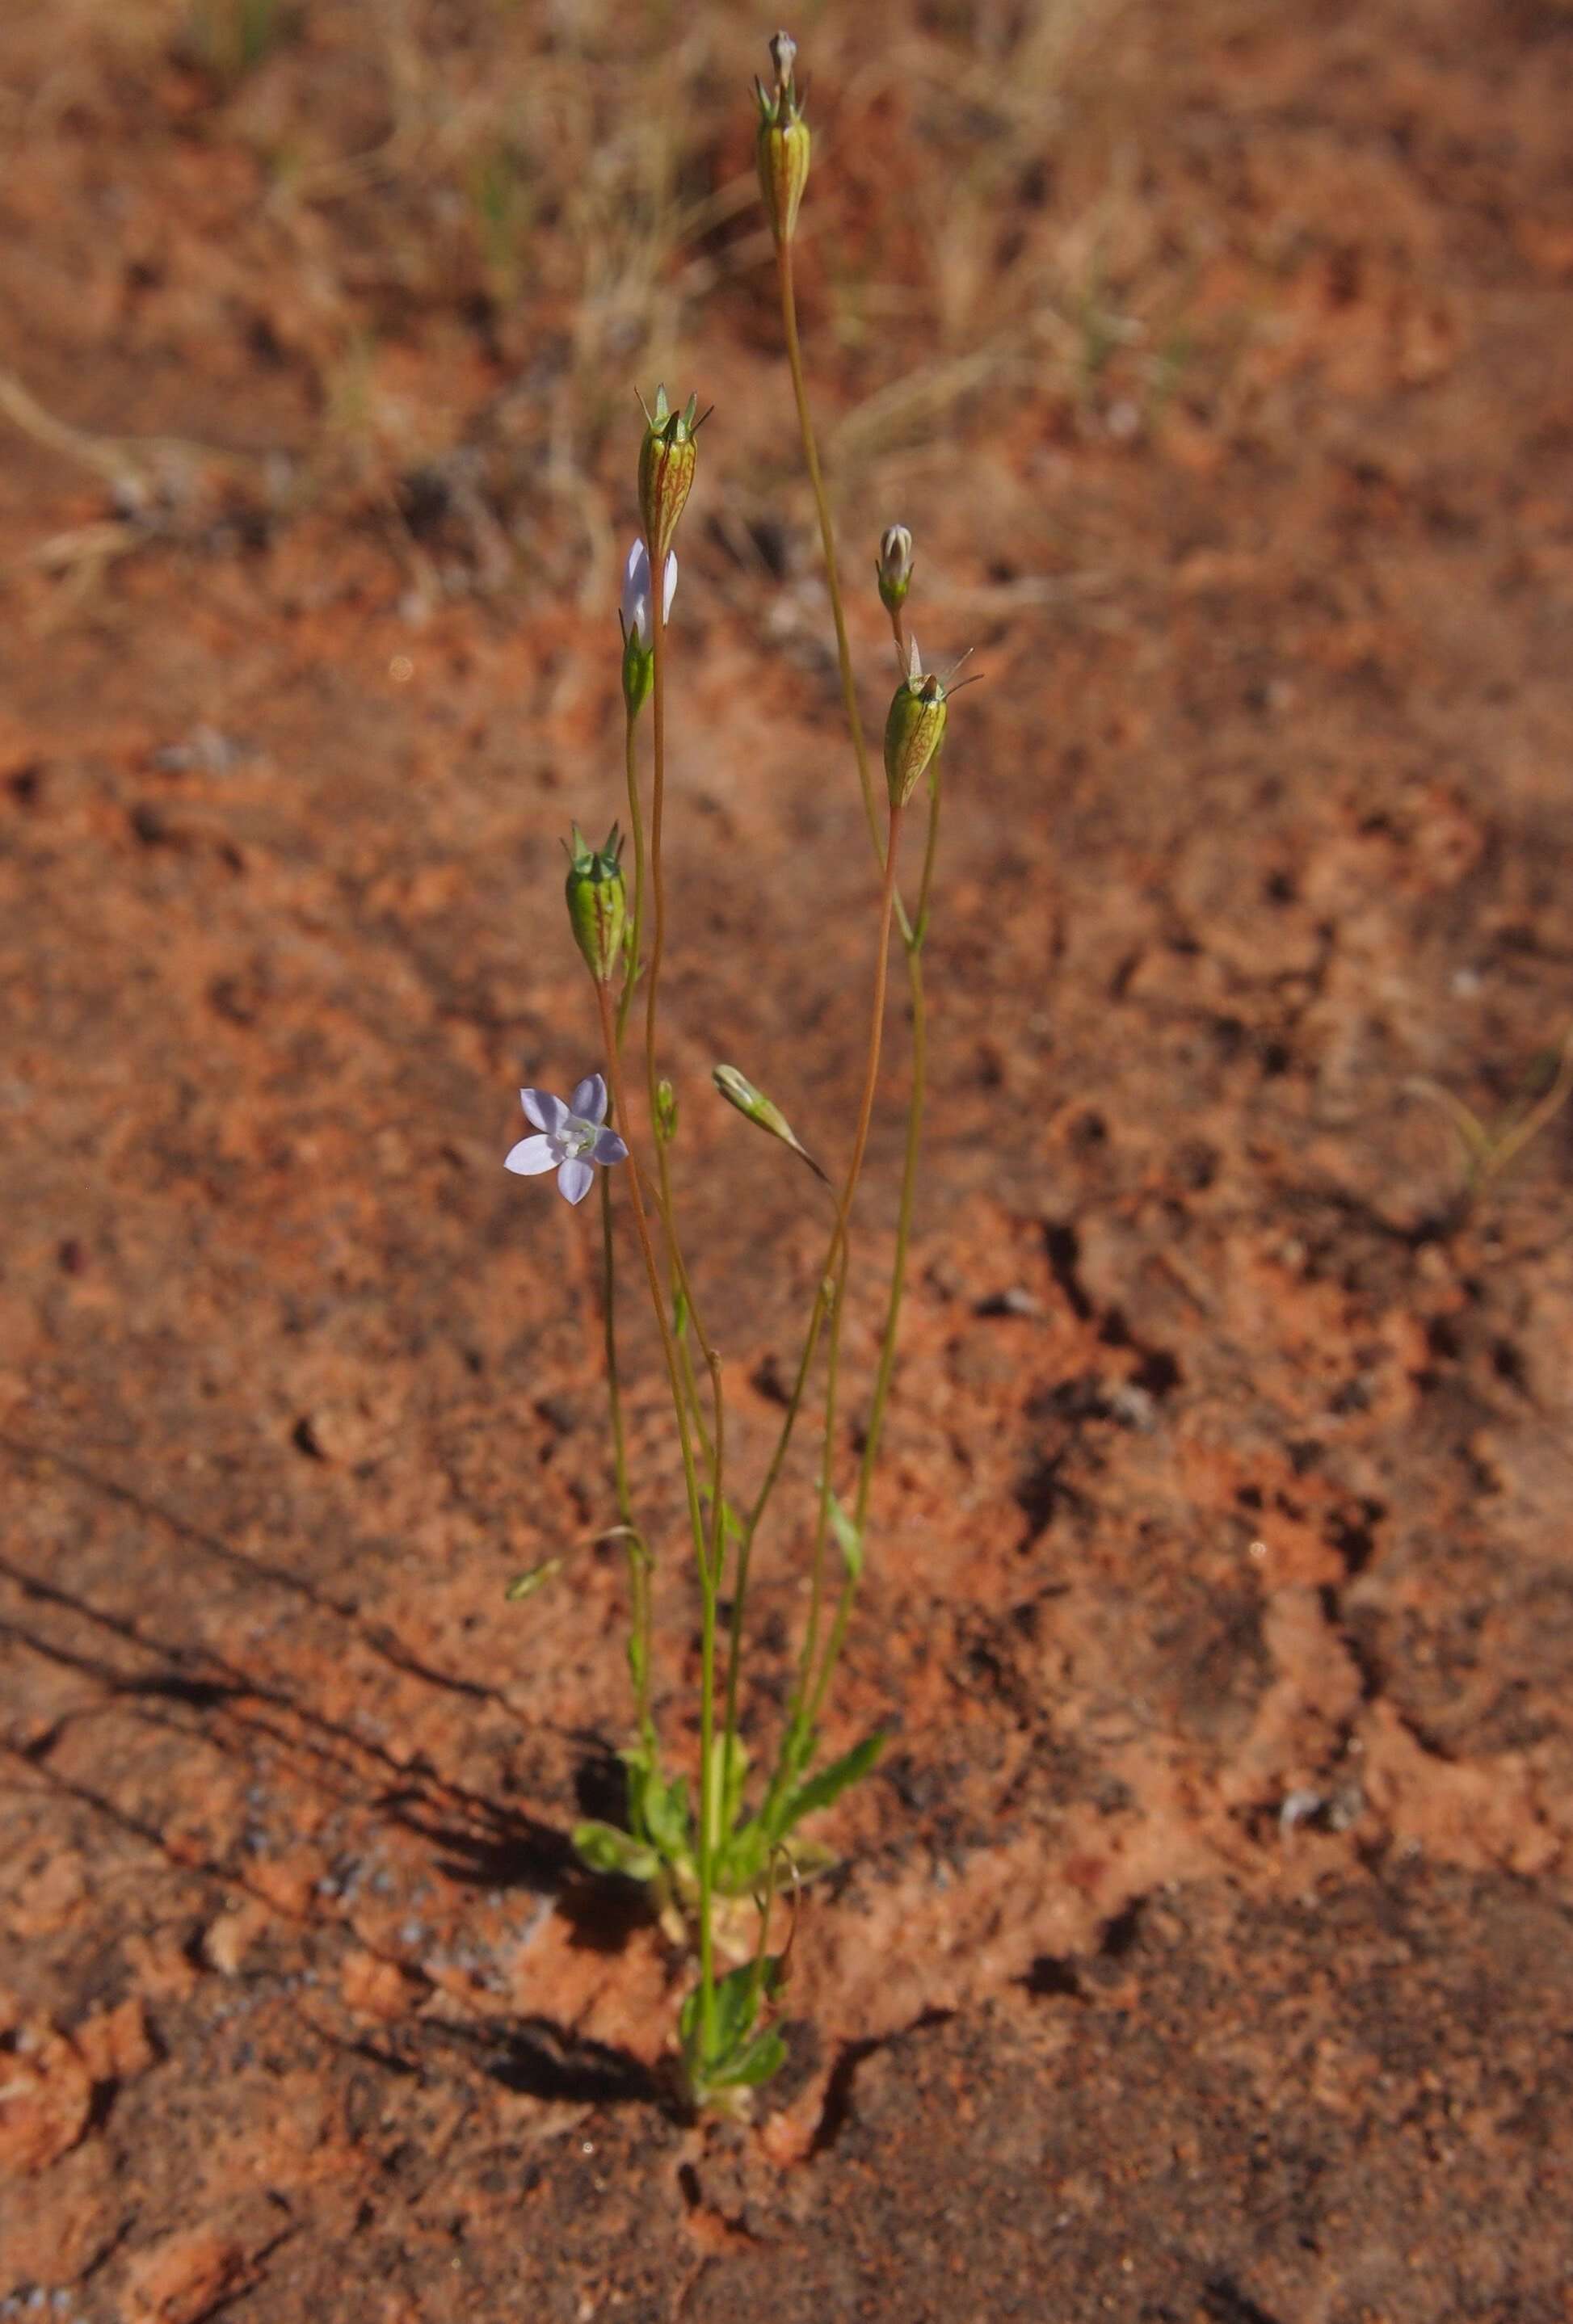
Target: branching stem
x,y
684,1389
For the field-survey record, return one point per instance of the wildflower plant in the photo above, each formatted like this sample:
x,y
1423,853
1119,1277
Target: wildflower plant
x,y
722,1847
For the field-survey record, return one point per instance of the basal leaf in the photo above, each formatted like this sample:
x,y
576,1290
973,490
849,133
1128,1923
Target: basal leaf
x,y
756,2063
604,1849
806,1798
740,1867
666,1813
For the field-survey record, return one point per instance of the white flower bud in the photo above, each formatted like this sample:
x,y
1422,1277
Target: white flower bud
x,y
636,596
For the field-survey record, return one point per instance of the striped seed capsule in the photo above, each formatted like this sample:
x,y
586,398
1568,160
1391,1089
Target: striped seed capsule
x,y
598,903
914,728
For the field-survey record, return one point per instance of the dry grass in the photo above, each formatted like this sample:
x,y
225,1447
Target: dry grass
x,y
568,189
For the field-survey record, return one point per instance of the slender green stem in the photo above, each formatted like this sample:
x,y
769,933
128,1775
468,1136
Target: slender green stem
x,y
710,1808
624,1009
821,1687
830,1290
930,852
887,1352
825,1291
638,1554
914,1143
827,1493
767,1486
636,827
789,318
691,1480
709,1558
677,1271
888,1337
678,1278
636,1179
635,1183
839,1247
633,1541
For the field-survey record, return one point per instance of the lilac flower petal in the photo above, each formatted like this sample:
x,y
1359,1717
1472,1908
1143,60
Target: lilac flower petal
x,y
669,584
636,596
588,1102
575,1179
531,1156
546,1111
609,1148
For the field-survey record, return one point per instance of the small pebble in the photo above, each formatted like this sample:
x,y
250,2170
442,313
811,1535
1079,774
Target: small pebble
x,y
1346,1807
1298,1807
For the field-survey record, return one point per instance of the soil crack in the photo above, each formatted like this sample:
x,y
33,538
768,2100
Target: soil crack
x,y
837,2109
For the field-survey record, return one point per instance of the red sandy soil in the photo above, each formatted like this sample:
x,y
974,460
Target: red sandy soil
x,y
1201,1950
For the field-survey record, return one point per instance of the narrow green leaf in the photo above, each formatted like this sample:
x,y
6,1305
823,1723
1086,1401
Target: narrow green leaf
x,y
849,1540
730,1773
635,1758
758,2061
604,1849
736,2003
807,1799
688,2029
666,1815
798,1746
738,1997
740,1867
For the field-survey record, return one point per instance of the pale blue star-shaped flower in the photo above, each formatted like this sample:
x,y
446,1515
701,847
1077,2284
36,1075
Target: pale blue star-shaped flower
x,y
572,1138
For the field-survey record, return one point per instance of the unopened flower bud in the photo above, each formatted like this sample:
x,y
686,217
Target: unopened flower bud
x,y
739,1091
667,459
638,633
638,675
666,1111
895,566
782,143
915,729
598,903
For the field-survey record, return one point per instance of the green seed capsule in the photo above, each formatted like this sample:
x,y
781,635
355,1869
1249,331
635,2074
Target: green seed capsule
x,y
783,143
598,903
915,729
667,459
782,149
